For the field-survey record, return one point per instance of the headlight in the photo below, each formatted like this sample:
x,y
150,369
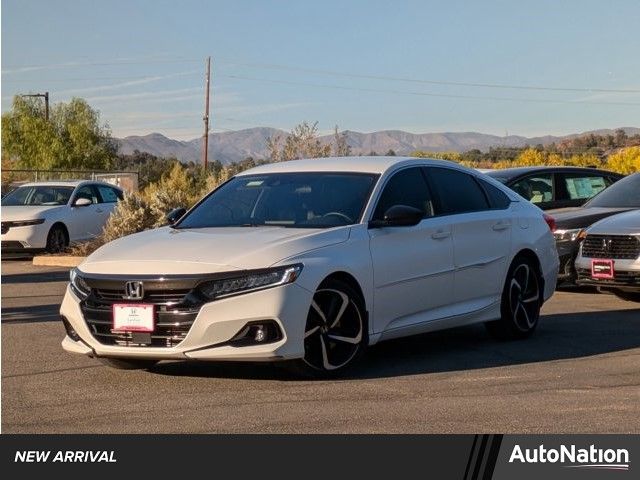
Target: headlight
x,y
570,235
250,281
78,285
27,223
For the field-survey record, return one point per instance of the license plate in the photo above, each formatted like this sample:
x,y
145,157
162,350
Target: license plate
x,y
133,318
602,269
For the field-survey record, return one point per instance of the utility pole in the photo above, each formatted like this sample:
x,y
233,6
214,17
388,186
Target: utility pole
x,y
205,146
44,95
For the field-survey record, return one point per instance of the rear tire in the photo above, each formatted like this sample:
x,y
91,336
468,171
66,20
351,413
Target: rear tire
x,y
57,240
128,364
521,302
336,332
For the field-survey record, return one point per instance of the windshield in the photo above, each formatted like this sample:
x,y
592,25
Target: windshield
x,y
624,193
38,195
294,200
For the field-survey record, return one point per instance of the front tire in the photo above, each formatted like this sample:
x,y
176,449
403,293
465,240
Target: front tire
x,y
128,364
335,333
521,302
57,240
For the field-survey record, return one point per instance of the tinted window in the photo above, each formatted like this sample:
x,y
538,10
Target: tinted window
x,y
497,198
296,200
107,194
624,193
457,191
118,193
407,187
88,192
581,187
535,188
40,195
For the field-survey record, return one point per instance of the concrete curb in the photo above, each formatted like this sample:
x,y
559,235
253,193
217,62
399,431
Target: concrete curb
x,y
57,261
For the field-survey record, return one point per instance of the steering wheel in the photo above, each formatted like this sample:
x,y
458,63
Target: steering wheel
x,y
339,214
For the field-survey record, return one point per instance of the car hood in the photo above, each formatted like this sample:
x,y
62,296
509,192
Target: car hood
x,y
12,213
627,223
581,217
207,250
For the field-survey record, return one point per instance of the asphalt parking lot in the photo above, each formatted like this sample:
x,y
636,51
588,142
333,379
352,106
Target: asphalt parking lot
x,y
579,373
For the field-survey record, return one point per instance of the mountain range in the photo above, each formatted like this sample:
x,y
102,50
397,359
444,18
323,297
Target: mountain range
x,y
252,142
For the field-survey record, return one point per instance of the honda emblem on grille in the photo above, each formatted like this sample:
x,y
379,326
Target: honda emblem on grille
x,y
606,244
133,291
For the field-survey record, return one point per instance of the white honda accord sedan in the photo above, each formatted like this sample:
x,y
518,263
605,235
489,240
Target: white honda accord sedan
x,y
313,260
52,215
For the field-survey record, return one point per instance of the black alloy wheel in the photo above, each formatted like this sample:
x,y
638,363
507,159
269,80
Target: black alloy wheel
x,y
336,330
521,301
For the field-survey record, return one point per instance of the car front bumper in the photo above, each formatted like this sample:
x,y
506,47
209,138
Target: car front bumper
x,y
25,239
216,323
626,275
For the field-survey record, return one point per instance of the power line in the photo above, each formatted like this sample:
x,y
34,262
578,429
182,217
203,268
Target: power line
x,y
432,82
427,94
270,66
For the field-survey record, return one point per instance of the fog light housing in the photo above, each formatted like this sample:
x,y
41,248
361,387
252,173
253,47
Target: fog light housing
x,y
257,333
70,331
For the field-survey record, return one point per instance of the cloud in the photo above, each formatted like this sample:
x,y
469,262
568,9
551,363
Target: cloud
x,y
131,83
154,58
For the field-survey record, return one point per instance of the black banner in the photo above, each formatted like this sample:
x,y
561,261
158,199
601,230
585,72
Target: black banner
x,y
465,457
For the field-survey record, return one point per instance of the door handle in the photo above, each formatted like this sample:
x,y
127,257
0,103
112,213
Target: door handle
x,y
440,234
501,226
99,210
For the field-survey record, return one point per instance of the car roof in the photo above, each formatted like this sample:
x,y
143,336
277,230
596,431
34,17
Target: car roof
x,y
361,164
517,171
65,183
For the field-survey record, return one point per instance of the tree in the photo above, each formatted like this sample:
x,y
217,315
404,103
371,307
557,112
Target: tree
x,y
302,142
620,138
149,167
340,146
73,138
625,161
451,156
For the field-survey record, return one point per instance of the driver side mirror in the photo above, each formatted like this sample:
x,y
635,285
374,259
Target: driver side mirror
x,y
175,215
399,216
82,202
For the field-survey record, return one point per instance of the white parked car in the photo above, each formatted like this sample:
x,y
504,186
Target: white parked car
x,y
609,256
313,260
51,215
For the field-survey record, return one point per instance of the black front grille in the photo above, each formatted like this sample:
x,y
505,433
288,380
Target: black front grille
x,y
623,247
175,312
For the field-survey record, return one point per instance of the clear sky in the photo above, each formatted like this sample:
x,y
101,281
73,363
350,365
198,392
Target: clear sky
x,y
420,66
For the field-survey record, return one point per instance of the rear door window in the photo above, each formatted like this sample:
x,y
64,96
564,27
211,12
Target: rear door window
x,y
457,192
498,200
108,194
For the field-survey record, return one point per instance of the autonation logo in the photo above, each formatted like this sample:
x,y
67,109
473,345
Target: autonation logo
x,y
574,457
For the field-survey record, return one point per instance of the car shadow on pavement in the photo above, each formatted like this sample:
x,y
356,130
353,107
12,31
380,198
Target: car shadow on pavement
x,y
31,314
36,277
559,336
